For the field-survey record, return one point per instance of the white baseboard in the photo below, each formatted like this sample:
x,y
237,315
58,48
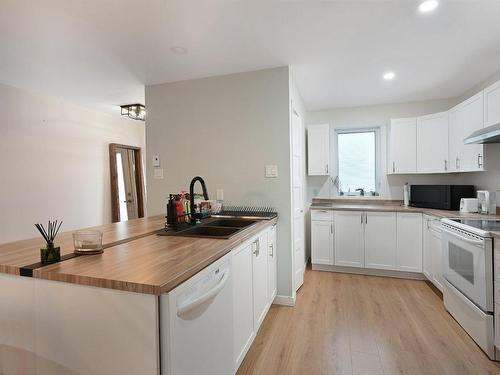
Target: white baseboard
x,y
284,300
370,272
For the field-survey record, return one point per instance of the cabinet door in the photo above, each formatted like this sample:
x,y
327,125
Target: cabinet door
x,y
322,242
243,302
409,242
380,240
492,104
437,256
272,264
456,138
318,150
349,238
472,113
427,248
403,146
260,298
432,143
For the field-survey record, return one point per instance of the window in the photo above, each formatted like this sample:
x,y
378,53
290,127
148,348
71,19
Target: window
x,y
357,159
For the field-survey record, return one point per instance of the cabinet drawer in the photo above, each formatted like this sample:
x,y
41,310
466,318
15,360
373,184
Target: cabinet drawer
x,y
496,287
321,215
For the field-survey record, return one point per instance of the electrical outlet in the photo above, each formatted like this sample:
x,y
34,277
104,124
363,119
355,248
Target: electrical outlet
x,y
158,174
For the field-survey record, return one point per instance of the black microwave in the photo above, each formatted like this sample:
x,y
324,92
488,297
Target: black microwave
x,y
442,197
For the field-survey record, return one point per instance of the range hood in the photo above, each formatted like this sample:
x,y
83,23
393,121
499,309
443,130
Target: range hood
x,y
491,134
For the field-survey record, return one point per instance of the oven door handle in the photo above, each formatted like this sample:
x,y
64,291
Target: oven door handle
x,y
471,241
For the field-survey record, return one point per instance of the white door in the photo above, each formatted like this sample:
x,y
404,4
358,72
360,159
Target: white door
x,y
243,302
432,143
322,242
409,242
403,146
260,287
318,150
349,238
298,200
471,156
428,257
272,264
380,240
492,104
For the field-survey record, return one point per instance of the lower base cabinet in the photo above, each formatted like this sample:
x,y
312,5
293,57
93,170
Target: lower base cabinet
x,y
349,238
368,239
432,262
409,242
243,302
254,289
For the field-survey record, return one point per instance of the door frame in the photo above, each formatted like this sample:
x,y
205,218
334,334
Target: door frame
x,y
139,180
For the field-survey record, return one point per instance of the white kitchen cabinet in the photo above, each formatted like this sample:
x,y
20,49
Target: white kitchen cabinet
x,y
432,143
464,119
349,238
432,261
492,104
272,265
243,302
318,150
380,240
409,242
403,146
322,242
260,287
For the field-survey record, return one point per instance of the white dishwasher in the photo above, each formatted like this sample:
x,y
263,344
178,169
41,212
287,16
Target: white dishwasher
x,y
196,323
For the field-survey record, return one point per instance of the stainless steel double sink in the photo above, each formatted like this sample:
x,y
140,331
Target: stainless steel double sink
x,y
212,228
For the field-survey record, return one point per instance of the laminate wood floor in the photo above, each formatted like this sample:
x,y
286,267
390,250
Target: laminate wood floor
x,y
352,324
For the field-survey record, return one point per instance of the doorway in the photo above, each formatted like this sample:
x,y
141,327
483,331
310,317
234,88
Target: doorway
x,y
127,182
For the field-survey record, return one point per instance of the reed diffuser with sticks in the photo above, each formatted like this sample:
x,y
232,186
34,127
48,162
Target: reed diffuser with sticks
x,y
51,253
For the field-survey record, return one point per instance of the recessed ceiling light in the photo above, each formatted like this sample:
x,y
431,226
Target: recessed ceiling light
x,y
389,75
179,50
428,6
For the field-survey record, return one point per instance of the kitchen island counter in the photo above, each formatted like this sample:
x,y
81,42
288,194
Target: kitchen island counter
x,y
150,265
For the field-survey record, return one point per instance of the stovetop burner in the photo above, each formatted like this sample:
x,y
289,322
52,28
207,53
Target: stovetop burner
x,y
486,225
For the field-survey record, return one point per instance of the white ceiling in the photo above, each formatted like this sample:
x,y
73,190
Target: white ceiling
x,y
102,53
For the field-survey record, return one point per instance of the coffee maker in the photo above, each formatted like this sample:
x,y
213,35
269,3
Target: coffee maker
x,y
487,202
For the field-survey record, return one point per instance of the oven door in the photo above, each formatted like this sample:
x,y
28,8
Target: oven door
x,y
468,265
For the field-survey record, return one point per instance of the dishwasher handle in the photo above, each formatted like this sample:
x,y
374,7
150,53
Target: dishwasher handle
x,y
198,300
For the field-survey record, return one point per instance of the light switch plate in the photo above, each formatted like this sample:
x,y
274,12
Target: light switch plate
x,y
156,160
158,174
271,171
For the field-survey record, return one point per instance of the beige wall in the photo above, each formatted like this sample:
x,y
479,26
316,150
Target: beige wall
x,y
225,129
54,162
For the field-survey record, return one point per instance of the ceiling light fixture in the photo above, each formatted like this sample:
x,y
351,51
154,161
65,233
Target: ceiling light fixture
x,y
134,111
389,75
428,6
178,50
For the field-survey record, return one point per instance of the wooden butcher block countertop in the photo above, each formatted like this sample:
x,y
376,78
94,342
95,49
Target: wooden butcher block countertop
x,y
15,255
379,205
149,265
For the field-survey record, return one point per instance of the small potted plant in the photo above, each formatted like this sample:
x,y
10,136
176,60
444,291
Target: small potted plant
x,y
50,253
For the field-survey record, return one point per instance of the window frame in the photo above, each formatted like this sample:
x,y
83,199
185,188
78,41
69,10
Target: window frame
x,y
372,129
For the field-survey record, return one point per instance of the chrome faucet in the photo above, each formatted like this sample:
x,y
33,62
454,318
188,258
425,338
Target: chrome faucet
x,y
195,216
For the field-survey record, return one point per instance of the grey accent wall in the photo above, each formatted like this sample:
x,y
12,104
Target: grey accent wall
x,y
225,129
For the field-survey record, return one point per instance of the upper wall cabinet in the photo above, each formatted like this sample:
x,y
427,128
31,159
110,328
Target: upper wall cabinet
x,y
464,119
492,104
318,150
432,143
403,146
